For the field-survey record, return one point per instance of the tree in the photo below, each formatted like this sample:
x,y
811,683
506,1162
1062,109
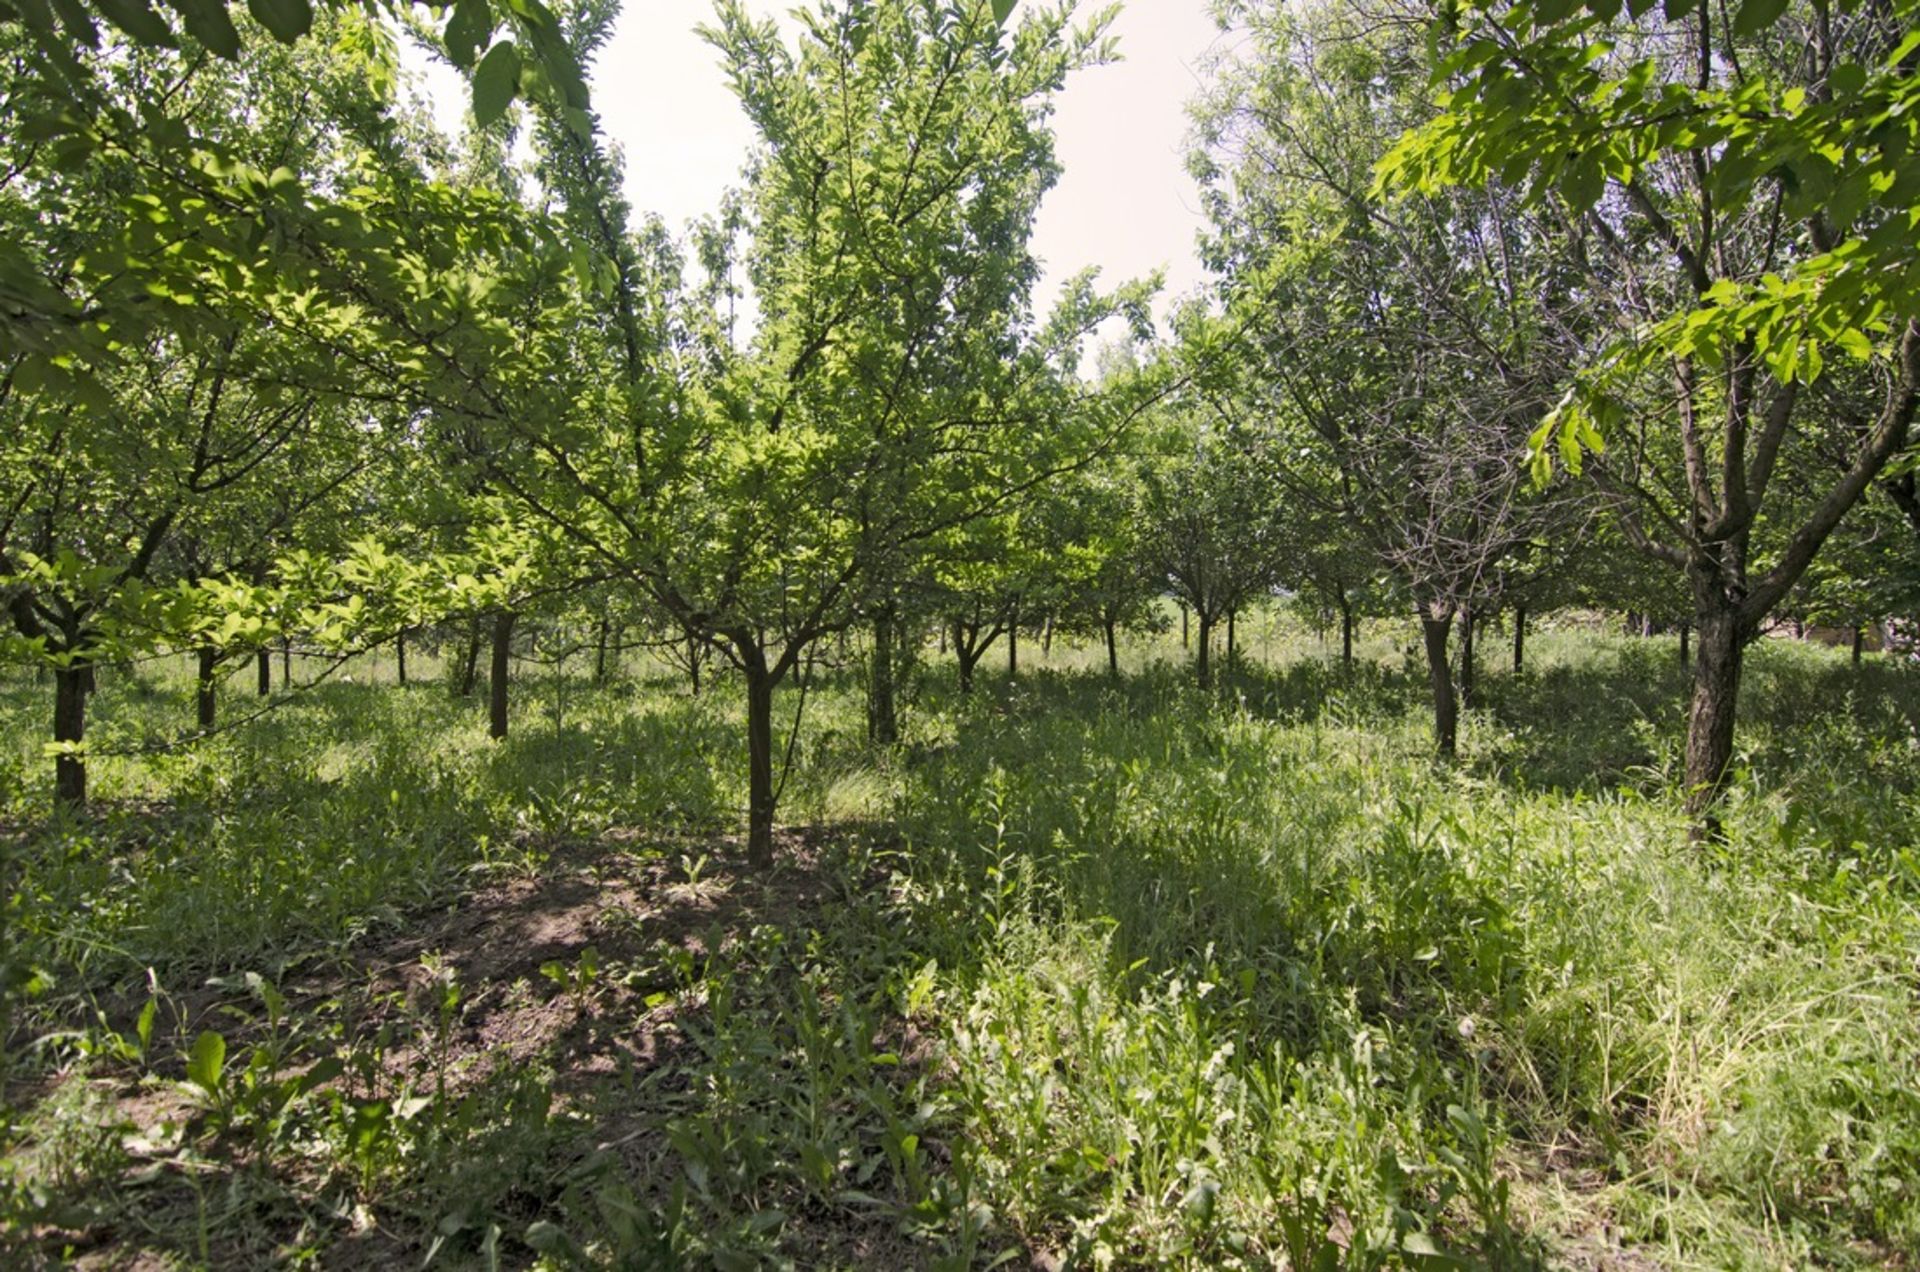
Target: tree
x,y
768,495
1737,188
151,433
1212,516
1399,352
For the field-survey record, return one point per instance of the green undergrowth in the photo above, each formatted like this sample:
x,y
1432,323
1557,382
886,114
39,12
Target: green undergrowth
x,y
1088,972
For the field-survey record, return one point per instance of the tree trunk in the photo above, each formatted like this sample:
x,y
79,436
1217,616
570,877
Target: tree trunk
x,y
1113,651
1446,709
497,681
263,666
1857,639
1686,656
470,670
286,663
70,725
600,653
1467,626
1202,664
1519,639
1346,630
1046,638
1013,646
1716,697
1184,642
693,664
1233,648
400,657
759,759
203,699
883,727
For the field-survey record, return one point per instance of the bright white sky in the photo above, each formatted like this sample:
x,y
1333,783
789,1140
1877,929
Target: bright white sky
x,y
1123,203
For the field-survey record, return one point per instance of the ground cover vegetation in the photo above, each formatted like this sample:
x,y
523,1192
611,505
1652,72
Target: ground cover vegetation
x,y
1443,793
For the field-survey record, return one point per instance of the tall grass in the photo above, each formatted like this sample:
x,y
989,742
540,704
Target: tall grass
x,y
1106,969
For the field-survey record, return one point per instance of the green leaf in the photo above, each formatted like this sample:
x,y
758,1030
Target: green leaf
x,y
208,1058
138,21
1002,10
494,82
288,20
466,31
1756,16
207,22
143,1027
1420,1243
79,25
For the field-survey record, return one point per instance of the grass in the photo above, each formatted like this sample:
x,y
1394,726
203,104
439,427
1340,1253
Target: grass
x,y
1086,973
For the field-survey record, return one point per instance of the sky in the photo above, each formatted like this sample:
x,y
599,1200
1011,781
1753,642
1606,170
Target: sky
x,y
1124,201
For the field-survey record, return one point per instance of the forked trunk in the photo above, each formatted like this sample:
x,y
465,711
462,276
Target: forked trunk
x,y
470,665
1710,719
497,682
1446,708
204,702
759,760
70,726
966,654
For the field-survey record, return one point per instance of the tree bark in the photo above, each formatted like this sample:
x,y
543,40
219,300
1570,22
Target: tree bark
x,y
1184,642
1710,718
204,701
1046,638
1467,627
759,760
470,670
1202,664
1446,708
1346,630
883,726
286,663
497,680
1858,637
693,664
70,725
1686,655
600,653
400,657
1233,645
263,665
1113,650
1519,639
1013,646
